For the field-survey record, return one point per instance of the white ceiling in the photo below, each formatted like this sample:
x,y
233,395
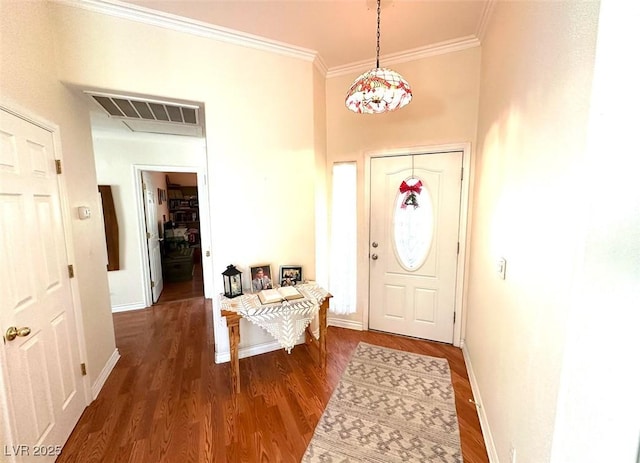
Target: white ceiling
x,y
343,32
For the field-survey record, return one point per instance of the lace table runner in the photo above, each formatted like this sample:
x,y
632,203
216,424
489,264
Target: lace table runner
x,y
285,320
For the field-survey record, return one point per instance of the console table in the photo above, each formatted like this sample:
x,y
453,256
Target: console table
x,y
285,321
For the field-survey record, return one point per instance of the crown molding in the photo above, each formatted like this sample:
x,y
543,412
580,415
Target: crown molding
x,y
484,19
176,23
414,54
320,65
190,26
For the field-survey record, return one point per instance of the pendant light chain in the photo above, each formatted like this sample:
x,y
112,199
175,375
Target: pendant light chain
x,y
378,40
378,90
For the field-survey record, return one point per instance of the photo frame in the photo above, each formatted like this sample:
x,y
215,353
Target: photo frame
x,y
290,275
261,277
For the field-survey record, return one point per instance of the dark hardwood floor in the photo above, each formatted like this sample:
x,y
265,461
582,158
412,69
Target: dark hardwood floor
x,y
178,290
167,401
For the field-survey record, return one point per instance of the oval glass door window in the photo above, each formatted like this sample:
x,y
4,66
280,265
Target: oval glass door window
x,y
413,226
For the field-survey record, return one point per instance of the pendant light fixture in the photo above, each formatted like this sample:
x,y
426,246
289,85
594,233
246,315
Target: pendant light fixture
x,y
379,90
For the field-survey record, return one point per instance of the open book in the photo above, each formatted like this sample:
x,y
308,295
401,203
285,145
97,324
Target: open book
x,y
284,293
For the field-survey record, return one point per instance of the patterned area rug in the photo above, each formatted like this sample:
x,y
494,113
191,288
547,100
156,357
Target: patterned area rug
x,y
389,406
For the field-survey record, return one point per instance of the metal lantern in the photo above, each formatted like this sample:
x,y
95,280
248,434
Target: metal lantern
x,y
232,282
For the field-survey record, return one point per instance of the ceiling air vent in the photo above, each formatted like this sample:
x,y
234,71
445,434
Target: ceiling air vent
x,y
149,110
148,115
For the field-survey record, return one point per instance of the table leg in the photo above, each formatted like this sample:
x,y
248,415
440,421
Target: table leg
x,y
322,318
233,325
321,343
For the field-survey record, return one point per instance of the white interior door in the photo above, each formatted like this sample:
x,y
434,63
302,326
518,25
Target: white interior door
x,y
153,238
40,367
413,250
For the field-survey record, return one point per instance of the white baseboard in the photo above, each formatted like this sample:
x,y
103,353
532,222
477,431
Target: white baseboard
x,y
249,351
127,307
342,323
484,422
104,374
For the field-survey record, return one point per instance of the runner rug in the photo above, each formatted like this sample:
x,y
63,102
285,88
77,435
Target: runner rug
x,y
389,406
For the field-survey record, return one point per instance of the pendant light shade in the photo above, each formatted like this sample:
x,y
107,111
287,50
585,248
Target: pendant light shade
x,y
379,90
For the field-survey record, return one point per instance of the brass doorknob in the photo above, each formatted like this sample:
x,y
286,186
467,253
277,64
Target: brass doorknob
x,y
374,256
14,332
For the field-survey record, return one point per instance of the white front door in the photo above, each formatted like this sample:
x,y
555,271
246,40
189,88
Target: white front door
x,y
413,246
40,372
153,238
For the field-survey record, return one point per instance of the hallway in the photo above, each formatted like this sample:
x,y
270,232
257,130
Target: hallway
x,y
167,401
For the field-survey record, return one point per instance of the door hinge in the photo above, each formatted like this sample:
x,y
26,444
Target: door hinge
x,y
70,268
83,369
144,186
148,235
454,317
462,173
458,251
58,166
153,284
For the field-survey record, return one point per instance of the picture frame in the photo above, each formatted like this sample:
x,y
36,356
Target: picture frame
x,y
261,277
290,275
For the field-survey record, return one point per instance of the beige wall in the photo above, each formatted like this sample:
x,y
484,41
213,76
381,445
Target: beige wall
x,y
537,67
596,420
259,112
321,178
444,110
183,178
28,81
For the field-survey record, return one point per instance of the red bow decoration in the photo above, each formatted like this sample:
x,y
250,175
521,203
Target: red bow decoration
x,y
412,192
417,188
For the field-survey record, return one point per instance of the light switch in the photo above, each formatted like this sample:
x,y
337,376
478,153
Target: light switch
x,y
502,268
84,212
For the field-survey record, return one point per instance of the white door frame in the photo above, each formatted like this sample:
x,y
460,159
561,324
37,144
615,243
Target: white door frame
x,y
458,326
5,418
205,224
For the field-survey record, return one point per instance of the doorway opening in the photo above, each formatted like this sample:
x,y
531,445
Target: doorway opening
x,y
171,225
131,143
180,232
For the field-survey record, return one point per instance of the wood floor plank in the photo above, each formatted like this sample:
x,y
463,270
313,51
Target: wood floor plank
x,y
167,401
181,290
